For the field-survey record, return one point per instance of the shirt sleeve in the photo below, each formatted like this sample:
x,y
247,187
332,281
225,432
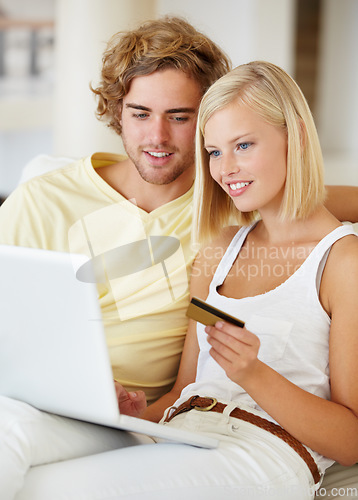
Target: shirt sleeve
x,y
20,220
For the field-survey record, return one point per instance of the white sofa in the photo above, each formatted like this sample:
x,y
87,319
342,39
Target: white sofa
x,y
339,481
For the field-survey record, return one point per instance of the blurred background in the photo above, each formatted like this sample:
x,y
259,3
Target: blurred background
x,y
50,51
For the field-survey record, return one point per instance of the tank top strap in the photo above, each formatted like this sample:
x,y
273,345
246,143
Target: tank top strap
x,y
229,256
320,253
316,260
326,243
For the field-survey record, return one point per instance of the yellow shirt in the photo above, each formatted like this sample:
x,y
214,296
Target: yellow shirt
x,y
142,262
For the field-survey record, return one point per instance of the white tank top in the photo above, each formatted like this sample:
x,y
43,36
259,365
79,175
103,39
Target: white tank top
x,y
290,322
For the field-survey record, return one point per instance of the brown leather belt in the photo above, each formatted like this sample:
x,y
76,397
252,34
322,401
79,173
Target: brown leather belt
x,y
211,404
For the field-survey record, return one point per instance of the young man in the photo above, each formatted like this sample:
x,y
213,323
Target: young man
x,y
136,208
152,82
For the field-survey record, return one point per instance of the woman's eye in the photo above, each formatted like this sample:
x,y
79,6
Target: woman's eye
x,y
244,145
214,154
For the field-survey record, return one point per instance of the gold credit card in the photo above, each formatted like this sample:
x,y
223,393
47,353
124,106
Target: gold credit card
x,y
209,315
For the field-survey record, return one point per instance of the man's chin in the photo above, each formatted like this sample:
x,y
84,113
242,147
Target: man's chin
x,y
159,175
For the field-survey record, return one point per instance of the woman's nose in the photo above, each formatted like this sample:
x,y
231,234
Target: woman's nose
x,y
229,165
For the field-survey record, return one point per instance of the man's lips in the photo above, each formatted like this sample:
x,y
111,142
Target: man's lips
x,y
158,154
158,158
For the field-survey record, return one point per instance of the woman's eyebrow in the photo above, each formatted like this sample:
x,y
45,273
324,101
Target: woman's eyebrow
x,y
234,139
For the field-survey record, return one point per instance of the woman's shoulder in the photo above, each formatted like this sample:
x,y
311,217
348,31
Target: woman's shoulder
x,y
340,277
208,259
211,253
216,248
344,252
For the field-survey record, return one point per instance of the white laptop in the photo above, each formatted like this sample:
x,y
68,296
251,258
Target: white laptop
x,y
53,353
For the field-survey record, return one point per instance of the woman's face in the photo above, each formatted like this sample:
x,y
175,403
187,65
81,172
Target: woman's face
x,y
248,157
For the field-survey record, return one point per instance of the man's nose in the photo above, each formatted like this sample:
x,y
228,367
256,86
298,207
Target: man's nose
x,y
159,131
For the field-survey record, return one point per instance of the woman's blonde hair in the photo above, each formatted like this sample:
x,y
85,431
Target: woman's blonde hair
x,y
274,95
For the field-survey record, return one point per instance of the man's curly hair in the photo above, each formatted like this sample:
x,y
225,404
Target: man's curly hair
x,y
169,42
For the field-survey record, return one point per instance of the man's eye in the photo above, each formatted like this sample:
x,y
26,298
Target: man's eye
x,y
140,115
180,119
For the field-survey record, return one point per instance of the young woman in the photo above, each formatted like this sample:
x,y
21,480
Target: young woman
x,y
290,272
280,394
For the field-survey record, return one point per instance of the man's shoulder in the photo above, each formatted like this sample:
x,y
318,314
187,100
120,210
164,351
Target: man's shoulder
x,y
47,167
42,187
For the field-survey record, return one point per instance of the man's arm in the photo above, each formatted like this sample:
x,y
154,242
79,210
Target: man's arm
x,y
342,202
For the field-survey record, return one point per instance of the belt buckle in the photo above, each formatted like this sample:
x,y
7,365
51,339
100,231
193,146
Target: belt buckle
x,y
204,408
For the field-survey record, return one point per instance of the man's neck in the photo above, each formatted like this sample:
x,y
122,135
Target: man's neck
x,y
125,179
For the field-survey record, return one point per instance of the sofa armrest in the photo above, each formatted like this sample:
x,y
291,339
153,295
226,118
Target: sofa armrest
x,y
42,164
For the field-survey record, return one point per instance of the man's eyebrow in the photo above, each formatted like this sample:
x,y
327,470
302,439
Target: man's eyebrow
x,y
181,110
169,111
137,106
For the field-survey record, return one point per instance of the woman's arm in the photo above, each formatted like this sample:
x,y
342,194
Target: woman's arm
x,y
328,427
186,375
201,276
342,202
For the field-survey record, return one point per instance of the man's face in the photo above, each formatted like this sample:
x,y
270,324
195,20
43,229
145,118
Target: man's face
x,y
158,124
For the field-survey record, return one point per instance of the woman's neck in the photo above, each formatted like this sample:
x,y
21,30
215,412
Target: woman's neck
x,y
272,230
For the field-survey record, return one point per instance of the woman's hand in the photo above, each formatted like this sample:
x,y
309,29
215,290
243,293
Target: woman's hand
x,y
130,403
235,349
